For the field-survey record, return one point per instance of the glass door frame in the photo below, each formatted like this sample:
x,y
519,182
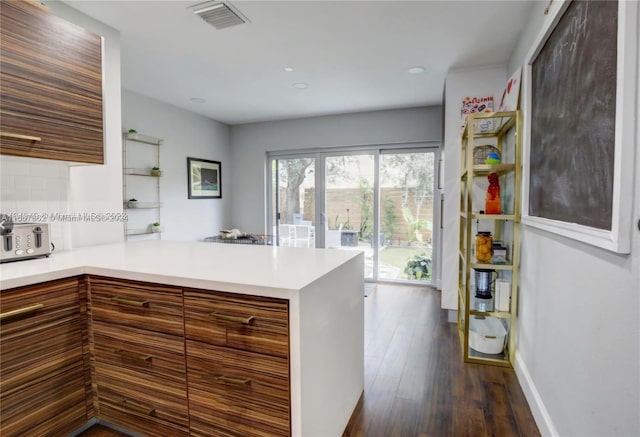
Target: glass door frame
x,y
320,194
272,221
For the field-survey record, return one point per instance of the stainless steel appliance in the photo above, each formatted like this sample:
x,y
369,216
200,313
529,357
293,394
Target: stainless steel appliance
x,y
24,241
484,280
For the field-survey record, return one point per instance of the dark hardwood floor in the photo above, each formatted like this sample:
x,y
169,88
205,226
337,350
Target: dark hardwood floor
x,y
416,383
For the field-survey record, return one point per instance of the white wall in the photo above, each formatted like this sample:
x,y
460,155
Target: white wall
x,y
477,82
185,134
578,339
50,187
251,142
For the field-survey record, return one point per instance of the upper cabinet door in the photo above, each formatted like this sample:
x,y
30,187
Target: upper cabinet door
x,y
51,93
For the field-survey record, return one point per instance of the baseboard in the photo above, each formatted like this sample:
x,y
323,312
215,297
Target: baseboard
x,y
539,411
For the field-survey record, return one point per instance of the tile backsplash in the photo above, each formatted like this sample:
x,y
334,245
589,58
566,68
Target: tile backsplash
x,y
34,190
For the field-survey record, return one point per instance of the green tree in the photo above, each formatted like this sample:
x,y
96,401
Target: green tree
x,y
292,173
390,217
366,207
413,173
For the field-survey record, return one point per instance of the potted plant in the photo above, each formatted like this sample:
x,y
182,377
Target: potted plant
x,y
418,267
155,171
132,134
132,203
155,227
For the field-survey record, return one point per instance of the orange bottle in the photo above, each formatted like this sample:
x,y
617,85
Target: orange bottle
x,y
492,202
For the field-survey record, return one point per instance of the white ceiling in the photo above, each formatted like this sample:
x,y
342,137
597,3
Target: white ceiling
x,y
353,54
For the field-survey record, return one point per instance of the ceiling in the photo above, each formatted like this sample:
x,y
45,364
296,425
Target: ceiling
x,y
354,55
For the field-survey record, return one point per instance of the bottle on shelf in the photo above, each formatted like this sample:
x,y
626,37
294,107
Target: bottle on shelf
x,y
492,202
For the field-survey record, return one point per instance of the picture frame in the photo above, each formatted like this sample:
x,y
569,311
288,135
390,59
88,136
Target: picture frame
x,y
204,178
615,236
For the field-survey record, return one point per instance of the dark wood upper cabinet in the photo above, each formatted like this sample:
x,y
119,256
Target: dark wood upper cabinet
x,y
50,86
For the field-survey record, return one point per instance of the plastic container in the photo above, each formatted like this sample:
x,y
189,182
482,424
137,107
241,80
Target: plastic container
x,y
487,335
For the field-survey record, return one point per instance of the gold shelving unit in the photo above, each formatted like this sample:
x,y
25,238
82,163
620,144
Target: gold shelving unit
x,y
504,133
141,183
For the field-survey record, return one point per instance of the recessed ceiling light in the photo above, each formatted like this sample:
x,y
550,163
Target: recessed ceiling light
x,y
416,70
288,69
197,100
301,85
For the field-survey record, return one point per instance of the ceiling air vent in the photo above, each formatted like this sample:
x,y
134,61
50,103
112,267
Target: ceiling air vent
x,y
220,15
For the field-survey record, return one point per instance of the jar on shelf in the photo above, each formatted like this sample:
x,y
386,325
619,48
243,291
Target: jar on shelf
x,y
484,242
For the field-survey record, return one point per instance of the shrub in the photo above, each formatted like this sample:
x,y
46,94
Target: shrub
x,y
419,267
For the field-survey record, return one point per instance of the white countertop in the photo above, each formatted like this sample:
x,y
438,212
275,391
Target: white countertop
x,y
249,269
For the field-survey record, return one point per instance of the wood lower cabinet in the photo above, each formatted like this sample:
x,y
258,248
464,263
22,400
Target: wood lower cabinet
x,y
238,364
156,360
44,379
51,94
138,341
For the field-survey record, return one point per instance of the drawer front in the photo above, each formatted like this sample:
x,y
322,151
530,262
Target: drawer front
x,y
152,354
239,393
143,416
241,322
42,389
155,307
140,397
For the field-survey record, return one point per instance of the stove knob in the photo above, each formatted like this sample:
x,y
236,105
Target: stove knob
x,y
19,252
30,251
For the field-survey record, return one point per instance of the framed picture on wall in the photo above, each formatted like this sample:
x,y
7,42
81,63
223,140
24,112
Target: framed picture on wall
x,y
205,179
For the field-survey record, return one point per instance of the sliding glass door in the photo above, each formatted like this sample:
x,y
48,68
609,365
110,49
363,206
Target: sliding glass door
x,y
293,201
407,216
348,212
376,200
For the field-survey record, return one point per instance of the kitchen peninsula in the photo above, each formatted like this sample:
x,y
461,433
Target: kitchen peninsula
x,y
259,340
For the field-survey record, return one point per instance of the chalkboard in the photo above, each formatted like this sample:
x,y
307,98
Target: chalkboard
x,y
573,114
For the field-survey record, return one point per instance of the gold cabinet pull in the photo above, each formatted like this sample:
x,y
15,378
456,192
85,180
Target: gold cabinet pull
x,y
234,381
135,303
21,311
133,355
20,136
237,319
133,406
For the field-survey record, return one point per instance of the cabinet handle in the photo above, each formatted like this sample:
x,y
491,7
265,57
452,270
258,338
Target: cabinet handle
x,y
234,381
237,319
133,355
135,303
20,137
133,406
21,311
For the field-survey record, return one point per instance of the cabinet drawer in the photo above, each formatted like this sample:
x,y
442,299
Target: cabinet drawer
x,y
40,332
140,414
42,389
237,393
242,322
141,397
154,307
154,355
